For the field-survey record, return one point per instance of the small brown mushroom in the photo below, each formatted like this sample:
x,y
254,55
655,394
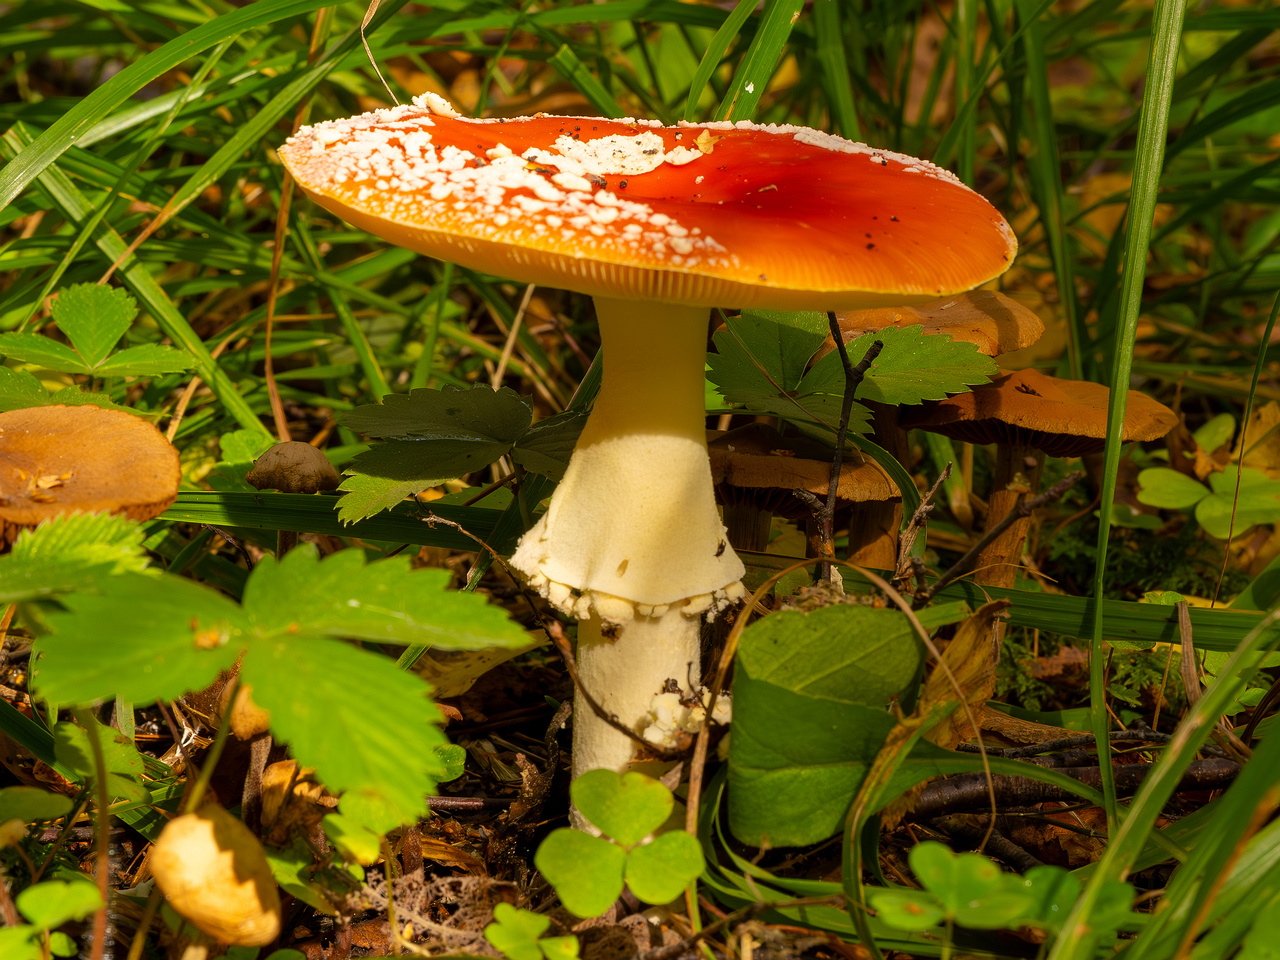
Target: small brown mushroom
x,y
993,323
293,467
1029,415
755,470
83,459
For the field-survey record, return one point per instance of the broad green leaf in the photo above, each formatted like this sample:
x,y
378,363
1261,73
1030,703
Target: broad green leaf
x,y
19,389
1169,490
94,317
1054,890
954,878
1258,502
54,902
559,948
33,348
362,724
627,807
20,943
810,698
70,553
514,933
1216,431
354,840
386,601
587,872
147,360
123,763
546,448
657,872
912,367
292,868
391,471
453,759
31,804
906,909
480,414
142,638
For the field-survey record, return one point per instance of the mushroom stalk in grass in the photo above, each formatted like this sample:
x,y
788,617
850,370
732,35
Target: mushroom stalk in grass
x,y
658,224
632,543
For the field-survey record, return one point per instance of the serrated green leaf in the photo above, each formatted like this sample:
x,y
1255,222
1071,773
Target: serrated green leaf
x,y
54,902
657,872
365,726
479,414
587,872
514,933
912,367
94,317
142,638
70,553
20,389
385,475
1168,489
145,360
354,840
31,804
546,447
124,765
33,348
386,601
74,397
627,807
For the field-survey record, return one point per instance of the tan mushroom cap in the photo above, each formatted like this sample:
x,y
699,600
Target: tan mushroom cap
x,y
294,467
84,459
756,456
702,214
992,322
1063,418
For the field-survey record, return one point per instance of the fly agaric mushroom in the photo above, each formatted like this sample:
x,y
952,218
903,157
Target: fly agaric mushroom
x,y
83,459
657,224
992,322
1029,415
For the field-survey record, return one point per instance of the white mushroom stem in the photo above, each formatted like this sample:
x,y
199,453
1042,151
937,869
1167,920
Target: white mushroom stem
x,y
632,543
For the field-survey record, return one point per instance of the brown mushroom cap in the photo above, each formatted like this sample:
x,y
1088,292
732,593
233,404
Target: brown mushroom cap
x,y
757,457
992,322
83,459
294,467
1063,418
703,214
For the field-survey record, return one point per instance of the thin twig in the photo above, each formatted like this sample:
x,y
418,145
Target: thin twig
x,y
914,526
1023,508
676,949
852,378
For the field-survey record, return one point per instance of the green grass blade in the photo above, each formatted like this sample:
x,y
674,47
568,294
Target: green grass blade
x,y
76,208
576,72
714,54
761,60
1162,65
835,68
23,169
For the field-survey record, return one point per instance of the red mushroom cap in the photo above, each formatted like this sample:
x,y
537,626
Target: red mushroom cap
x,y
703,214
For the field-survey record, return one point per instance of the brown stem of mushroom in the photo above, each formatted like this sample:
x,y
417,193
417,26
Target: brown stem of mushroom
x,y
852,378
1024,508
874,524
1017,476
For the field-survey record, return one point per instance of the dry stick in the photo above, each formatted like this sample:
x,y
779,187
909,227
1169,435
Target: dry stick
x,y
914,526
852,378
1024,508
1190,665
676,949
510,345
